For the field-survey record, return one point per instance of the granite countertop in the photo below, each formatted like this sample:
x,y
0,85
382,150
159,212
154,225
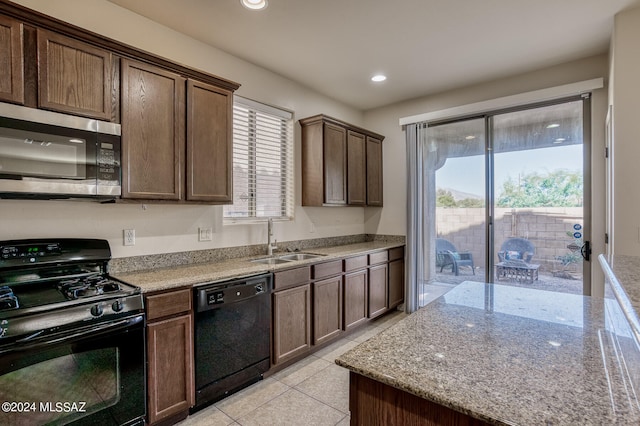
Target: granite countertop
x,y
204,273
507,356
627,273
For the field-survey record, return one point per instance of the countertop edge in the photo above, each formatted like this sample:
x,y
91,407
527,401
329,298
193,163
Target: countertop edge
x,y
397,384
622,297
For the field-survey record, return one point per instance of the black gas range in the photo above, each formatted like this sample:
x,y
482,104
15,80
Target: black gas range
x,y
73,330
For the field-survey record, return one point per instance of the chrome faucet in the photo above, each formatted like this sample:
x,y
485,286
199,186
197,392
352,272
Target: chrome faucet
x,y
270,247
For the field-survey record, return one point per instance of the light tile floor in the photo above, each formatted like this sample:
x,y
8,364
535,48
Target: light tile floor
x,y
314,391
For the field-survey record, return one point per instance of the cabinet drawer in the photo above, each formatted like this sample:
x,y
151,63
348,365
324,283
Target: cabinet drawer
x,y
327,269
396,253
355,263
379,257
291,277
165,304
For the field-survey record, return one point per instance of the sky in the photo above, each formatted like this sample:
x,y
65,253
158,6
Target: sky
x,y
466,174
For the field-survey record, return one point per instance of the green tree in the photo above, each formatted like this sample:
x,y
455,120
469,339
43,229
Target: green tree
x,y
444,199
559,188
470,202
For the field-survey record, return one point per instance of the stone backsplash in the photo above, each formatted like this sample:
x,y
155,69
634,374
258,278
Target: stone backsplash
x,y
164,260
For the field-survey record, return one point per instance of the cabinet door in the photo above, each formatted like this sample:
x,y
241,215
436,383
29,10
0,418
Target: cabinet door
x,y
377,290
356,169
73,76
327,309
291,322
355,299
396,283
152,132
209,143
335,164
170,367
374,172
11,61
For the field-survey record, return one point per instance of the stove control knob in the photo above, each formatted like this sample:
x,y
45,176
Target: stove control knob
x,y
117,306
96,310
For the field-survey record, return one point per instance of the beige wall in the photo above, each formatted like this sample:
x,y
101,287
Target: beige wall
x,y
165,228
392,219
625,101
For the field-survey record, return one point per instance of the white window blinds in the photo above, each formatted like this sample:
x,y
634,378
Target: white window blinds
x,y
262,162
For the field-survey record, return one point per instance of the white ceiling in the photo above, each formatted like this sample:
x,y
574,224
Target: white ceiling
x,y
423,46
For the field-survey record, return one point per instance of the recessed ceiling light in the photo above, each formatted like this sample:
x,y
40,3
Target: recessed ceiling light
x,y
378,78
470,137
553,126
559,140
254,4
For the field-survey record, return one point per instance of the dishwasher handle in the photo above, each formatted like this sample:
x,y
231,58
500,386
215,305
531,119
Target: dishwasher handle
x,y
217,295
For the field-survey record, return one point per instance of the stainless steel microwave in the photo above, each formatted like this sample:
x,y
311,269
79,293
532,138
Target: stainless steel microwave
x,y
48,155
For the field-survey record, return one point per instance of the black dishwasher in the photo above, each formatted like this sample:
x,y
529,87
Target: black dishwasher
x,y
232,336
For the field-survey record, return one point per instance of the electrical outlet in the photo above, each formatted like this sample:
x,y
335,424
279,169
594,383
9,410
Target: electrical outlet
x,y
129,237
312,227
205,234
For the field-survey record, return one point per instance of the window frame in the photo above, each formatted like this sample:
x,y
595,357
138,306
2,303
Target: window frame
x,y
252,142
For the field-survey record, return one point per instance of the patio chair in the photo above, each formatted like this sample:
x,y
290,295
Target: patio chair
x,y
514,249
447,255
515,261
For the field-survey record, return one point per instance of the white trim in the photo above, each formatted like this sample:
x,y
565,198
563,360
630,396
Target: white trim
x,y
259,106
535,96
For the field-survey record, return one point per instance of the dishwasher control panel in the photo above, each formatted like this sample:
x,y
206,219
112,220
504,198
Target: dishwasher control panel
x,y
215,297
212,295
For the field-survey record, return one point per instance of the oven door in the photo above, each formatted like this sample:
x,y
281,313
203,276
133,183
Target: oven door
x,y
85,376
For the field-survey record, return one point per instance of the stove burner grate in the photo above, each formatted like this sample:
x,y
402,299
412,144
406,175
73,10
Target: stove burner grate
x,y
8,300
93,285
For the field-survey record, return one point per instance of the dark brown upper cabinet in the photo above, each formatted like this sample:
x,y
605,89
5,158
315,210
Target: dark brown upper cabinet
x,y
209,143
335,163
153,143
74,77
357,169
374,171
160,108
177,122
11,61
334,153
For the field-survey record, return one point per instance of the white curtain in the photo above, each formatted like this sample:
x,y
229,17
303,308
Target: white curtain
x,y
420,255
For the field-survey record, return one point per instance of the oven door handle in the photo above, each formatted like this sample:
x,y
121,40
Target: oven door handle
x,y
93,331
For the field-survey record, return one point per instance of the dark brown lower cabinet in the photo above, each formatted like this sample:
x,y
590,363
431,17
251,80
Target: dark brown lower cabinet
x,y
291,322
377,290
355,299
170,383
327,309
371,401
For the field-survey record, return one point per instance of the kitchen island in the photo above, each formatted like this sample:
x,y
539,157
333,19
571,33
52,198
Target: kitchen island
x,y
494,354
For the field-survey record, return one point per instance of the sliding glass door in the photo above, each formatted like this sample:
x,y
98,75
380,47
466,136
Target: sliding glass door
x,y
460,200
507,196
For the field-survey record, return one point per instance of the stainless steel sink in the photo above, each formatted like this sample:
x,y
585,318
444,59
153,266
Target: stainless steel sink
x,y
285,258
270,261
299,256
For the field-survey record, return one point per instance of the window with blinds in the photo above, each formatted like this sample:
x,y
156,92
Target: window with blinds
x,y
262,162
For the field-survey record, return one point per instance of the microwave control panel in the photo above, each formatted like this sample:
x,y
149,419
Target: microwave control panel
x,y
108,160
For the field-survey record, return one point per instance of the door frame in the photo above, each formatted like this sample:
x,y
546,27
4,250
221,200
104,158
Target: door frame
x,y
489,181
